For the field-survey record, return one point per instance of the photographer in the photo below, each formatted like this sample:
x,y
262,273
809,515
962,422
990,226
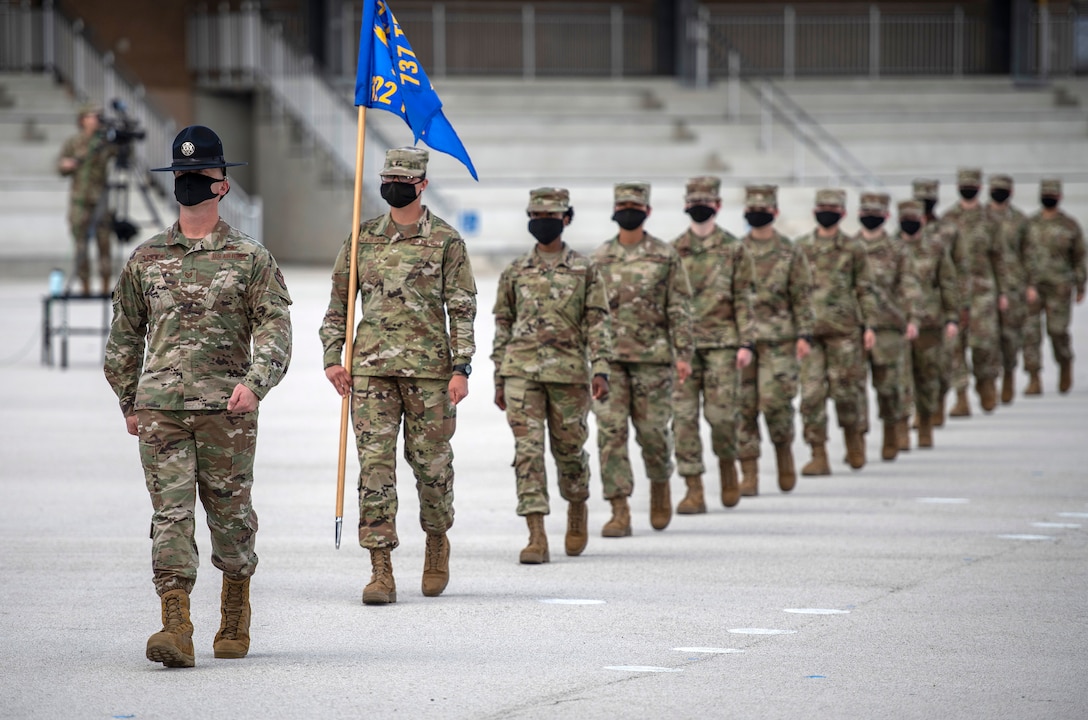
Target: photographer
x,y
86,157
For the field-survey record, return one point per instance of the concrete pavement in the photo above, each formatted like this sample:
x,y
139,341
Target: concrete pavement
x,y
948,582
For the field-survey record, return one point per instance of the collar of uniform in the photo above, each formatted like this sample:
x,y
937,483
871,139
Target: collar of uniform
x,y
616,249
536,258
214,240
388,228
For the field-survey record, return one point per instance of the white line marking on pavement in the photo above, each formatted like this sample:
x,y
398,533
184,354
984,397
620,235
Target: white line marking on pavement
x,y
642,668
816,611
719,651
570,601
1026,537
1062,526
761,631
943,500
1074,514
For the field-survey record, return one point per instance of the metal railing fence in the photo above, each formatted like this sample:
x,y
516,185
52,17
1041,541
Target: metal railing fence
x,y
41,39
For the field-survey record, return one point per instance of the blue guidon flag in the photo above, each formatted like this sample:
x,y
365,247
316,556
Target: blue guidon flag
x,y
389,77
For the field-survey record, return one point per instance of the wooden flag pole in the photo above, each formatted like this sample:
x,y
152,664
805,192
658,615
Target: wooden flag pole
x,y
353,288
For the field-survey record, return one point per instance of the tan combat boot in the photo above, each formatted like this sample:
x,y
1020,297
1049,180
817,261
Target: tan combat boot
x,y
749,477
232,640
436,564
938,417
787,473
1035,384
962,408
727,470
1008,387
577,528
1065,376
855,447
536,552
173,645
382,588
694,502
890,447
818,465
619,525
925,431
902,434
987,394
660,505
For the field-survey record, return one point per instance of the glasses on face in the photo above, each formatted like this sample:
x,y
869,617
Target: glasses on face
x,y
407,179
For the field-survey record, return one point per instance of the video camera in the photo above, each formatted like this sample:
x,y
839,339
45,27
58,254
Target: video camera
x,y
122,130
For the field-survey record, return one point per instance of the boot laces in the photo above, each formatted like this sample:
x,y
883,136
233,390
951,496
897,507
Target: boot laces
x,y
174,616
232,609
434,551
576,516
380,563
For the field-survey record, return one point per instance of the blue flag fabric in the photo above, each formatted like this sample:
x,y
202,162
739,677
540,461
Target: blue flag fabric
x,y
389,77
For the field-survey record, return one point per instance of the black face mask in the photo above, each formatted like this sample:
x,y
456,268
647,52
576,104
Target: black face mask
x,y
193,188
546,229
398,194
968,193
629,218
871,222
828,218
1049,202
929,205
758,218
910,227
701,213
1000,195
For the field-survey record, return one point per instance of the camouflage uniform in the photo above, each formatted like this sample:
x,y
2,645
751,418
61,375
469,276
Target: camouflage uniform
x,y
92,154
1013,228
551,314
843,301
938,305
979,255
196,306
897,287
650,301
782,310
410,279
1056,269
720,273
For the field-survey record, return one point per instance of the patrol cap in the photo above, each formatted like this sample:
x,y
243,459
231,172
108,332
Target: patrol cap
x,y
764,196
1050,187
911,208
406,162
197,148
633,192
924,189
549,200
875,202
88,108
969,177
1000,182
831,196
703,188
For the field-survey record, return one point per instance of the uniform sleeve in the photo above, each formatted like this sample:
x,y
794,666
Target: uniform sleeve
x,y
67,151
864,286
804,318
270,324
999,260
460,297
744,297
505,315
333,329
678,309
949,287
1077,259
127,339
910,288
597,322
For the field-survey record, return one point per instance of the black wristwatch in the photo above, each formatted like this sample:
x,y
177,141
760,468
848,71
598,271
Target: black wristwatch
x,y
465,369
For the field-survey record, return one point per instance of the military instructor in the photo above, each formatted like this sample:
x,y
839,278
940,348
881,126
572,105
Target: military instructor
x,y
201,332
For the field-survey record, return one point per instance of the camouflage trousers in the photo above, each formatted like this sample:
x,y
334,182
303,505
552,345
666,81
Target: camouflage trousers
x,y
982,336
186,454
80,217
906,379
768,385
834,368
1057,304
641,392
885,362
714,380
564,408
1012,329
927,363
378,405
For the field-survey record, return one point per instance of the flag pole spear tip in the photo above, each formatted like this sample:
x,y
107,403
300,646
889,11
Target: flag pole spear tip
x,y
339,527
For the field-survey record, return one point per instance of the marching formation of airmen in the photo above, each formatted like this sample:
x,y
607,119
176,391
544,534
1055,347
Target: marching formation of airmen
x,y
653,332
